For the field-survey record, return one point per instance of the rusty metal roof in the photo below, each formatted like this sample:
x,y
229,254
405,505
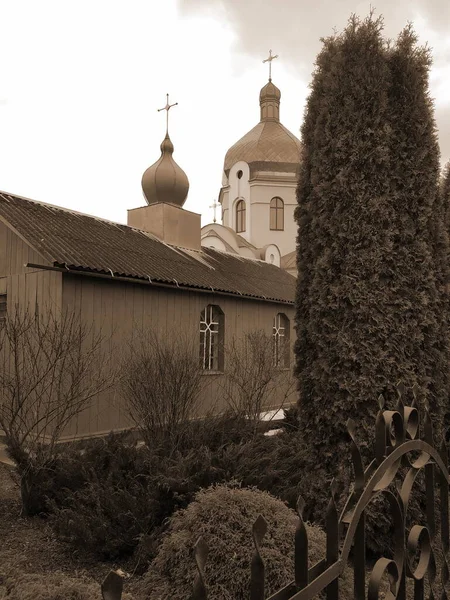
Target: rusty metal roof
x,y
67,238
268,142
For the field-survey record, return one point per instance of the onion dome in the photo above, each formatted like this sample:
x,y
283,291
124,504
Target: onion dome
x,y
269,101
165,181
269,146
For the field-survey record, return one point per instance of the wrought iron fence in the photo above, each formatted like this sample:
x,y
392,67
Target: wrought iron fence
x,y
403,450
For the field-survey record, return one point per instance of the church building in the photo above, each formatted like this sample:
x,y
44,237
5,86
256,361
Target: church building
x,y
161,271
257,196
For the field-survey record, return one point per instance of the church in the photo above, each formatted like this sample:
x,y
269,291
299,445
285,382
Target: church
x,y
163,271
257,196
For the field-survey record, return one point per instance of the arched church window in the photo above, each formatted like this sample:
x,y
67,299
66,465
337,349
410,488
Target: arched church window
x,y
277,214
240,216
212,321
280,338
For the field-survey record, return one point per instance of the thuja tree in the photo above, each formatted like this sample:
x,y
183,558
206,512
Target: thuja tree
x,y
367,298
420,253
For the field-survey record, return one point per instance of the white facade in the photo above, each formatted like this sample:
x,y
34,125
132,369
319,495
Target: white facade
x,y
257,191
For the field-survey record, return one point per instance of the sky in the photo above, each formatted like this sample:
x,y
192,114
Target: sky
x,y
81,82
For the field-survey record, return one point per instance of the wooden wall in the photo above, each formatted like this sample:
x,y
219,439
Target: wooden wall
x,y
24,285
122,309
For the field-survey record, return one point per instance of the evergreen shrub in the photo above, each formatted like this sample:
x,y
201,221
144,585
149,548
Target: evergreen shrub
x,y
224,515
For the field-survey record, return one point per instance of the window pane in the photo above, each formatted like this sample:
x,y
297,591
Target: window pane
x,y
240,216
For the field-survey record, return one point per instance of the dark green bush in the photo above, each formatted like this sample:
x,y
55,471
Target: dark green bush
x,y
223,516
127,493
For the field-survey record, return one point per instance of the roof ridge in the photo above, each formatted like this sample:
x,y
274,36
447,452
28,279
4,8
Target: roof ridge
x,y
62,208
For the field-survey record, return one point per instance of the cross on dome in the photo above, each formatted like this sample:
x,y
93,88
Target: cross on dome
x,y
167,107
269,60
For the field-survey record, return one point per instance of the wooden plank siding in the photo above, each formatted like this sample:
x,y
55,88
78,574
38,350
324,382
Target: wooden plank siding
x,y
122,309
21,284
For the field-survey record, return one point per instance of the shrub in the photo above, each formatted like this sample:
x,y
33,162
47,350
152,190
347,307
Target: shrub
x,y
53,586
224,516
128,493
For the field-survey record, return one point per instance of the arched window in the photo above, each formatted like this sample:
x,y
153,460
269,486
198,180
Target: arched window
x,y
240,216
277,214
211,338
280,336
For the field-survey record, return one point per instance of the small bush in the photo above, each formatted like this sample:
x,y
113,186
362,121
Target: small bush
x,y
53,586
224,516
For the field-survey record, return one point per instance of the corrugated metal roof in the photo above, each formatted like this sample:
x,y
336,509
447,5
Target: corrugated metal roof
x,y
78,241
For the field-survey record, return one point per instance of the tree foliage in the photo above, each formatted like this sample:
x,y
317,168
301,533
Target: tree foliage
x,y
370,295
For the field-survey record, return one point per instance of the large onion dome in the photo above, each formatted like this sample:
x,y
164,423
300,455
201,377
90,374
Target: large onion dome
x,y
269,146
165,181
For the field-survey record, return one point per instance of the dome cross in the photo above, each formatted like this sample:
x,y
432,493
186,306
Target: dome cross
x,y
167,107
269,60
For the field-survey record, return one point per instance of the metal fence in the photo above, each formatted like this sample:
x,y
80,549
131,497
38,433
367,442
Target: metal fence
x,y
404,448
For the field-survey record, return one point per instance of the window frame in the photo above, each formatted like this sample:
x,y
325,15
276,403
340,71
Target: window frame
x,y
241,215
276,217
212,327
281,341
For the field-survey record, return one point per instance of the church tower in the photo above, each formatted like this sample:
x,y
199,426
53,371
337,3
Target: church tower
x,y
259,182
165,187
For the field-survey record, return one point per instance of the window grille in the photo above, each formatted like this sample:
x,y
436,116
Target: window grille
x,y
277,214
281,351
211,338
240,216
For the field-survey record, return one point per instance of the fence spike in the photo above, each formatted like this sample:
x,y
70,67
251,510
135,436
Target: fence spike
x,y
358,467
112,586
257,574
301,549
200,554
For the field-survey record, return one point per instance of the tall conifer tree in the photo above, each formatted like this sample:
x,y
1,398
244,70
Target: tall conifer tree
x,y
420,250
367,299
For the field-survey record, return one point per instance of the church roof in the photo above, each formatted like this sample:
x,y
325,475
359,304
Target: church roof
x,y
79,242
289,261
267,143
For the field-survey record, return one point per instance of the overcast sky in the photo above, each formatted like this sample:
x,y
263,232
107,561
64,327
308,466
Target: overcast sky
x,y
81,82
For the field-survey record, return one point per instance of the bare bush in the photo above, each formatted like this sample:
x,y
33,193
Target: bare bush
x,y
162,382
51,367
254,381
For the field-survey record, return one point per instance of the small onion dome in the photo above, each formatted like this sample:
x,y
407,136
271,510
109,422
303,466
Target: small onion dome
x,y
165,181
269,102
269,92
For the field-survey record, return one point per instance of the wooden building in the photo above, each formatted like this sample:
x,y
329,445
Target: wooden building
x,y
123,278
151,274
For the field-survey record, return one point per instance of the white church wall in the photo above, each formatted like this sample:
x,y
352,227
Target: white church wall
x,y
239,188
212,241
261,195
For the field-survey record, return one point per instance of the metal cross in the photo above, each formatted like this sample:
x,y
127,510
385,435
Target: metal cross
x,y
214,206
269,60
167,107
